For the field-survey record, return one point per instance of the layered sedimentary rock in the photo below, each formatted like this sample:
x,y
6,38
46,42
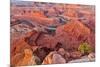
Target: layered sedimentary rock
x,y
48,33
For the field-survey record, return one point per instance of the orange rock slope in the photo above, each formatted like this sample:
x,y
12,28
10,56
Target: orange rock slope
x,y
72,34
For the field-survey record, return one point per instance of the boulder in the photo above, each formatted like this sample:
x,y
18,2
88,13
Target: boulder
x,y
82,59
75,54
65,54
54,58
91,56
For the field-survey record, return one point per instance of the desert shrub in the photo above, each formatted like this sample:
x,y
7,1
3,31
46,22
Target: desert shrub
x,y
85,48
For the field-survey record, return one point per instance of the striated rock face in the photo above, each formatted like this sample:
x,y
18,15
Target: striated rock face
x,y
23,58
28,58
72,34
31,40
19,46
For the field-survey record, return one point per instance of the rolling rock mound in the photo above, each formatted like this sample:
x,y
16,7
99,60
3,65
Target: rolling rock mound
x,y
72,34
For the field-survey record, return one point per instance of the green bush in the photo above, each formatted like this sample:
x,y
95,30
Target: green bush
x,y
85,48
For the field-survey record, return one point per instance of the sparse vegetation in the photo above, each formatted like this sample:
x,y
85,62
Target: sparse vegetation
x,y
85,48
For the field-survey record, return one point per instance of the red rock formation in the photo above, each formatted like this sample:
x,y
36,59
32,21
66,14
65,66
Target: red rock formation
x,y
31,43
19,43
72,34
31,40
46,41
24,58
19,46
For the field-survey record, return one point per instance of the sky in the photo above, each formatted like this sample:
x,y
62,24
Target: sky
x,y
88,2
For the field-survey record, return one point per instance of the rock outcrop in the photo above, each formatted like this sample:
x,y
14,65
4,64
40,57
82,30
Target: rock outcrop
x,y
72,34
53,58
